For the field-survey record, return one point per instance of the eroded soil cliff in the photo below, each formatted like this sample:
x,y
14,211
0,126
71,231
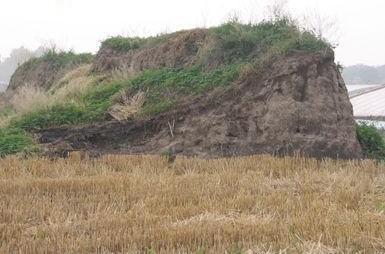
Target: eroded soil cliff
x,y
295,104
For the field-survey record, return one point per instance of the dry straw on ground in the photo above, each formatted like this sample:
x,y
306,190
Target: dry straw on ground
x,y
142,204
128,106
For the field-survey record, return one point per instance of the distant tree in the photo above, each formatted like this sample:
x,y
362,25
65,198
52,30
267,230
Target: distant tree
x,y
363,74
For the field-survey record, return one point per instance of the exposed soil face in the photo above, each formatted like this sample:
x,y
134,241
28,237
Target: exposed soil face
x,y
299,104
45,71
181,49
41,75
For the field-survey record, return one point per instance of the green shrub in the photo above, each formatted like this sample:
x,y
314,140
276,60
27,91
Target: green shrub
x,y
121,43
13,140
371,141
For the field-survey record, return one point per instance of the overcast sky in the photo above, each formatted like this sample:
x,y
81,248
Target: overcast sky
x,y
82,24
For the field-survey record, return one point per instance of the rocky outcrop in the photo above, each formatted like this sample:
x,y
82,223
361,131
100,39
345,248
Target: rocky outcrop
x,y
296,104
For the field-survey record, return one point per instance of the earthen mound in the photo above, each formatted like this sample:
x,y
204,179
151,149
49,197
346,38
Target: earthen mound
x,y
295,104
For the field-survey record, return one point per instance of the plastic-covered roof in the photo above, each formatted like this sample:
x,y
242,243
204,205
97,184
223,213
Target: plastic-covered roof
x,y
367,100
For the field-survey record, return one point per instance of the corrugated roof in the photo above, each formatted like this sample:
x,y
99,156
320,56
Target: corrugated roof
x,y
367,100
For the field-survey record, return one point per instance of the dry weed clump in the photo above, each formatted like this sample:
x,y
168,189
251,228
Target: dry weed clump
x,y
4,113
122,73
127,106
143,204
4,121
74,83
29,98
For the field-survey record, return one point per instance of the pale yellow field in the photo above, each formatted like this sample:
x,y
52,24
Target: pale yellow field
x,y
142,204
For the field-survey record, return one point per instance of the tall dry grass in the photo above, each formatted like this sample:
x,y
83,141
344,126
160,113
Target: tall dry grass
x,y
142,204
4,112
4,120
71,87
29,98
122,73
74,83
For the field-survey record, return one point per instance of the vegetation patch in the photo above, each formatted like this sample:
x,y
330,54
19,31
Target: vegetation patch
x,y
6,113
89,108
13,140
120,43
59,114
163,87
61,58
371,141
234,41
124,44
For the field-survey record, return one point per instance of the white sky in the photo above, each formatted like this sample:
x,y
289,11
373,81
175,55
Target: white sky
x,y
82,24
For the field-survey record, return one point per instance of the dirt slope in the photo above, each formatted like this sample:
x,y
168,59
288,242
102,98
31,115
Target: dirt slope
x,y
298,104
44,71
177,50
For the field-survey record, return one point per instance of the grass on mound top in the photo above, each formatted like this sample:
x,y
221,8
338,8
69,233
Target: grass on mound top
x,y
234,41
120,43
124,44
58,59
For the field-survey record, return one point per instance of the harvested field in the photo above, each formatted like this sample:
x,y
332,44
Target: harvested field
x,y
143,204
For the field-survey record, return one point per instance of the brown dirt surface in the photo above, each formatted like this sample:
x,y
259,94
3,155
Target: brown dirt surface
x,y
42,72
180,49
297,104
